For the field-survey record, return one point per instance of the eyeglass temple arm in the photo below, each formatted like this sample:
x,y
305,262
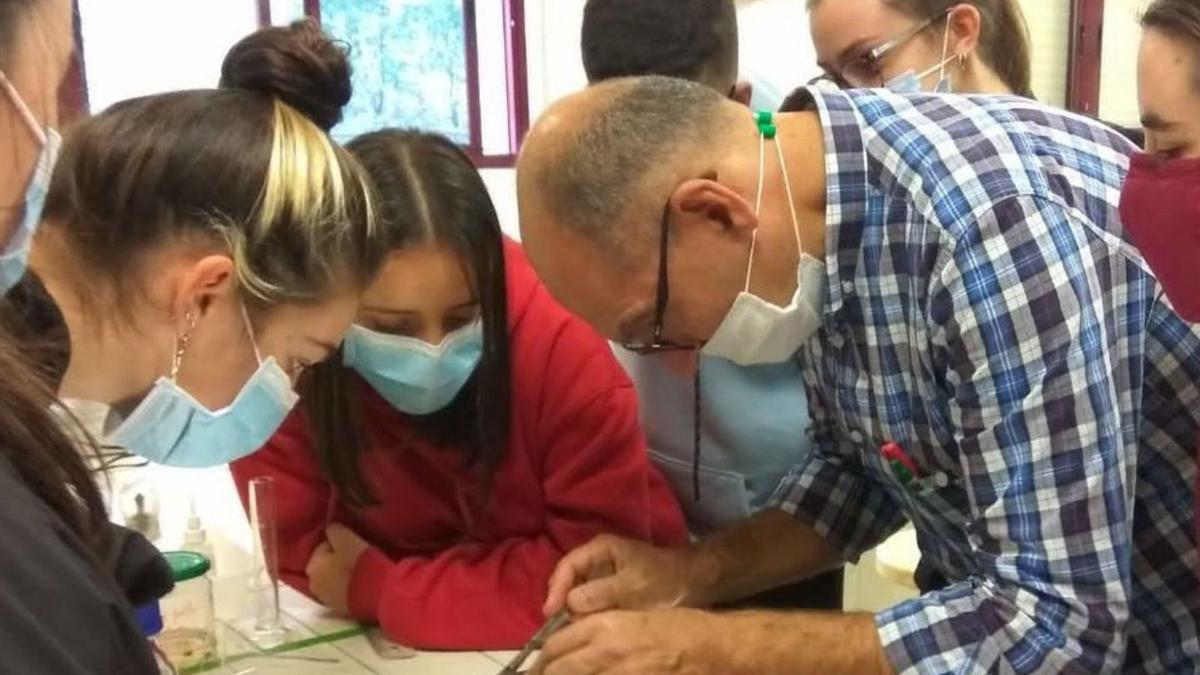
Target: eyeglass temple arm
x,y
878,52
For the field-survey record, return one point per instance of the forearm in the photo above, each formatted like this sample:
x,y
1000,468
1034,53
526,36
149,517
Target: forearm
x,y
798,643
467,596
766,551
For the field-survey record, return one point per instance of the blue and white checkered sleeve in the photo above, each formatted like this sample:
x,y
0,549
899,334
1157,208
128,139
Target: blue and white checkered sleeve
x,y
830,491
1017,319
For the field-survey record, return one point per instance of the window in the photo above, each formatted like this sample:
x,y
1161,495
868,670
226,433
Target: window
x,y
410,64
456,67
452,66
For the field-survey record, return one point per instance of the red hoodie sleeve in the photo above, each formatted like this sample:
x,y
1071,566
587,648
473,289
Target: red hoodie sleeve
x,y
596,479
303,495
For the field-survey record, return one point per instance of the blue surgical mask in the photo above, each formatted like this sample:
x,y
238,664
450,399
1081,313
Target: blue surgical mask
x,y
14,255
414,376
171,427
909,82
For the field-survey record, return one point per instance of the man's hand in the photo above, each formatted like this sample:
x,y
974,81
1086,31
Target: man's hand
x,y
660,642
614,573
331,567
693,642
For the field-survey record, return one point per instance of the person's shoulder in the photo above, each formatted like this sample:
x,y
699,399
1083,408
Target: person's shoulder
x,y
73,618
20,509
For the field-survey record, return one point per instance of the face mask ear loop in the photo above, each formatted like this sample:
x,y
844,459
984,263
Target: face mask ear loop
x,y
762,176
945,48
250,332
180,344
941,67
22,109
787,186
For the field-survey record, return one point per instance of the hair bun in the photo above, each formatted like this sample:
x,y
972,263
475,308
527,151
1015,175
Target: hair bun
x,y
299,64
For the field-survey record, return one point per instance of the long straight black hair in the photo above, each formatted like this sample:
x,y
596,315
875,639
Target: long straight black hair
x,y
427,191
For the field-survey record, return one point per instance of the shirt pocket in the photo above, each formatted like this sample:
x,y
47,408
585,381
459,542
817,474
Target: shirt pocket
x,y
937,505
724,497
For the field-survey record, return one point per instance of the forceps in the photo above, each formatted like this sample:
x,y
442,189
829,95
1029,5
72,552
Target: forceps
x,y
560,619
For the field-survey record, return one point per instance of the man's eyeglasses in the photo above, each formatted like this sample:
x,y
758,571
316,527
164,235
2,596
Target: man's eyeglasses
x,y
865,70
662,296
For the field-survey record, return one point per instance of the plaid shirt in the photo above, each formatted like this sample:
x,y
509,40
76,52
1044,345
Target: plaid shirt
x,y
986,312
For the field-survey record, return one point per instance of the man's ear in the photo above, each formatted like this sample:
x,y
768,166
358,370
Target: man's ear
x,y
705,203
201,283
742,92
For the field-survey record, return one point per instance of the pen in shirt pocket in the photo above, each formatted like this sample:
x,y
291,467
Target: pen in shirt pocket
x,y
907,473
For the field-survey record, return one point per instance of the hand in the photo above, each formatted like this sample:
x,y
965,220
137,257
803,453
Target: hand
x,y
614,573
660,642
331,567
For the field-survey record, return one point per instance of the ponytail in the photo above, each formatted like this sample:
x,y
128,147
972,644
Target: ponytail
x,y
1006,46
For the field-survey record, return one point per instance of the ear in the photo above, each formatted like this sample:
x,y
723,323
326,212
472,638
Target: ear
x,y
203,282
965,24
705,203
742,92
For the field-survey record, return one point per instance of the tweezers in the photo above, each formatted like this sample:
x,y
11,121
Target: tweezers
x,y
535,643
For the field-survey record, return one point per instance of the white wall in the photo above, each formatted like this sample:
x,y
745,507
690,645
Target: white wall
x,y
502,186
184,51
1049,35
1118,78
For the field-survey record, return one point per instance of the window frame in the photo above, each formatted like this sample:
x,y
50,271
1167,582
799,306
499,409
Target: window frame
x,y
73,94
517,78
1085,55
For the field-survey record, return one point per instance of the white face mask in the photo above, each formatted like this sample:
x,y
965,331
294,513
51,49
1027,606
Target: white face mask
x,y
754,331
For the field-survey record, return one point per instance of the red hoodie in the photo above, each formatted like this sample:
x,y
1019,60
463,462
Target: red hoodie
x,y
575,467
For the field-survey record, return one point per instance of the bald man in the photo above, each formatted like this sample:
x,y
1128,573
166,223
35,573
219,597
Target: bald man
x,y
724,435
986,357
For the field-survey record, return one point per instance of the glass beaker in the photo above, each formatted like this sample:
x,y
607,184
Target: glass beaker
x,y
188,637
268,627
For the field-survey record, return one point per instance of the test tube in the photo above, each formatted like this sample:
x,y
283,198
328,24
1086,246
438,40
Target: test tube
x,y
268,622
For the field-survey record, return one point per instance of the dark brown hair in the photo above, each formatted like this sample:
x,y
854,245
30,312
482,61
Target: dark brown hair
x,y
429,191
242,170
1179,19
299,64
1003,35
691,39
35,441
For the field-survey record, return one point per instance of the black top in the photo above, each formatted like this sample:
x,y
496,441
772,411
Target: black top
x,y
61,611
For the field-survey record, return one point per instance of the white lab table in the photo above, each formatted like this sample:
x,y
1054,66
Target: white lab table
x,y
334,645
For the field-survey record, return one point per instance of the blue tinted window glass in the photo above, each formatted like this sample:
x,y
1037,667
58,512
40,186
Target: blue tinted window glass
x,y
410,65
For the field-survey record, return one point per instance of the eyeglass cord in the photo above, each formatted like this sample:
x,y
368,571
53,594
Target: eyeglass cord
x,y
696,432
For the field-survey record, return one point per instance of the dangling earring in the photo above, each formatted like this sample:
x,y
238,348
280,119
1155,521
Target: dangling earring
x,y
182,342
